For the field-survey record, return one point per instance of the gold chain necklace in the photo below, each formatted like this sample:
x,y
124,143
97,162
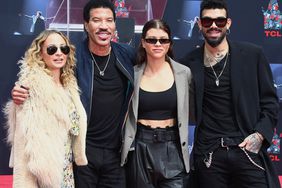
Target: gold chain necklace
x,y
101,72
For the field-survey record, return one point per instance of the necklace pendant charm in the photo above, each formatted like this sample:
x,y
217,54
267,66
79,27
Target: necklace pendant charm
x,y
101,72
217,82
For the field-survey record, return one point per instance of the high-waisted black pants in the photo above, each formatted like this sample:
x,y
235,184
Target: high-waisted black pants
x,y
156,161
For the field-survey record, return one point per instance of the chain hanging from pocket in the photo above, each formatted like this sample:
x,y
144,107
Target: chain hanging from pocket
x,y
251,160
208,161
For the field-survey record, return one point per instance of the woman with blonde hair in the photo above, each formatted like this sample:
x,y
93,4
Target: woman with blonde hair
x,y
47,132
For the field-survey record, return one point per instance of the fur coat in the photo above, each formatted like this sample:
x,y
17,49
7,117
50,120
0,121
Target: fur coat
x,y
39,128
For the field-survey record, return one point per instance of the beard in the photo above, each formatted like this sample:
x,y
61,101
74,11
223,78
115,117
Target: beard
x,y
214,42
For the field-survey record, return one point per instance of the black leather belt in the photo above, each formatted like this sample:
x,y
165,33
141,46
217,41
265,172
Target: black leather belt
x,y
157,134
229,142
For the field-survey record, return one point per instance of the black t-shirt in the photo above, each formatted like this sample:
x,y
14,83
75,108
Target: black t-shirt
x,y
218,112
104,129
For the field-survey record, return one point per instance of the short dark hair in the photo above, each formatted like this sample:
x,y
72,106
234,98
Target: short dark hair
x,y
153,24
213,4
92,4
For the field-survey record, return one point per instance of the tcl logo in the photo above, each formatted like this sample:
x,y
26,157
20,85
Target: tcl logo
x,y
274,158
272,33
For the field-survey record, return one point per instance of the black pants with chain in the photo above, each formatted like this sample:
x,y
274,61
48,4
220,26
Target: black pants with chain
x,y
156,161
231,168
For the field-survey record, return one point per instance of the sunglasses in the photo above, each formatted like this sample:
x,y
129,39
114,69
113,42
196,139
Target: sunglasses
x,y
51,50
154,41
219,22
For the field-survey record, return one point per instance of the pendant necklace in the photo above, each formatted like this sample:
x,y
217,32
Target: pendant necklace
x,y
101,72
215,75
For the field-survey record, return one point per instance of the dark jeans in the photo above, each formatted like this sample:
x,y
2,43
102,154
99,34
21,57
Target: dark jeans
x,y
156,161
230,168
103,170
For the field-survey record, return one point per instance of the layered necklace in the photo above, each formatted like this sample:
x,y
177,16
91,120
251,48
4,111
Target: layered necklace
x,y
210,60
101,72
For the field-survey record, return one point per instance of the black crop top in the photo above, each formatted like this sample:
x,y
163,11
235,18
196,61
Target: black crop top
x,y
158,105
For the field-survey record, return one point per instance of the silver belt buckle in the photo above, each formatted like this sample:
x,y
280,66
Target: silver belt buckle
x,y
222,143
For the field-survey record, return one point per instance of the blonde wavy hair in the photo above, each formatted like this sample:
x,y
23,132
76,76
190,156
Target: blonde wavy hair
x,y
33,56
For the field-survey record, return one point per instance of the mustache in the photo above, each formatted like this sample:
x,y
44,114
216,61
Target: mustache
x,y
103,30
214,29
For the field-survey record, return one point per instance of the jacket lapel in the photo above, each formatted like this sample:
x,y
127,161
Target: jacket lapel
x,y
179,75
138,72
236,68
197,67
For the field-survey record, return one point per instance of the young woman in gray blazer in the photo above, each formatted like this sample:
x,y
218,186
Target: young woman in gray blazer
x,y
155,143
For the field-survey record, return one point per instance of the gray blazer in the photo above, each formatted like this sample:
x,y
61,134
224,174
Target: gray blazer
x,y
182,76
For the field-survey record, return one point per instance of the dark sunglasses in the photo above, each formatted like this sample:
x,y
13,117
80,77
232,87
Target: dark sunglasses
x,y
219,22
154,41
51,50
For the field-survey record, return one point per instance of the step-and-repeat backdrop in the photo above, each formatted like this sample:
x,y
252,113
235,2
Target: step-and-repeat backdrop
x,y
255,21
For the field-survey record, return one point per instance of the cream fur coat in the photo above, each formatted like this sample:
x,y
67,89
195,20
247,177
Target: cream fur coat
x,y
38,129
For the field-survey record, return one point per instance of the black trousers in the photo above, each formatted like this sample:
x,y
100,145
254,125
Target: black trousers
x,y
156,161
103,170
230,167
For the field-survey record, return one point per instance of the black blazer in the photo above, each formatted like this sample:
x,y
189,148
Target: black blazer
x,y
254,97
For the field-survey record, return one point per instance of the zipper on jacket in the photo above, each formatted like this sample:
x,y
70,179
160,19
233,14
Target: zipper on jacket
x,y
130,78
91,95
132,82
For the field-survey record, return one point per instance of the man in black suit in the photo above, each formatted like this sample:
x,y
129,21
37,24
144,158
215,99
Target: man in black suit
x,y
235,106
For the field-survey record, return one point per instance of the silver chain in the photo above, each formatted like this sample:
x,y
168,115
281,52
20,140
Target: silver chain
x,y
101,72
251,160
208,161
217,77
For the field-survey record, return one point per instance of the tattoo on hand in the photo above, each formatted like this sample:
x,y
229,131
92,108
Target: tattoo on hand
x,y
254,143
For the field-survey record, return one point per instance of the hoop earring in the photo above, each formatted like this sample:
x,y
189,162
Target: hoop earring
x,y
228,31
